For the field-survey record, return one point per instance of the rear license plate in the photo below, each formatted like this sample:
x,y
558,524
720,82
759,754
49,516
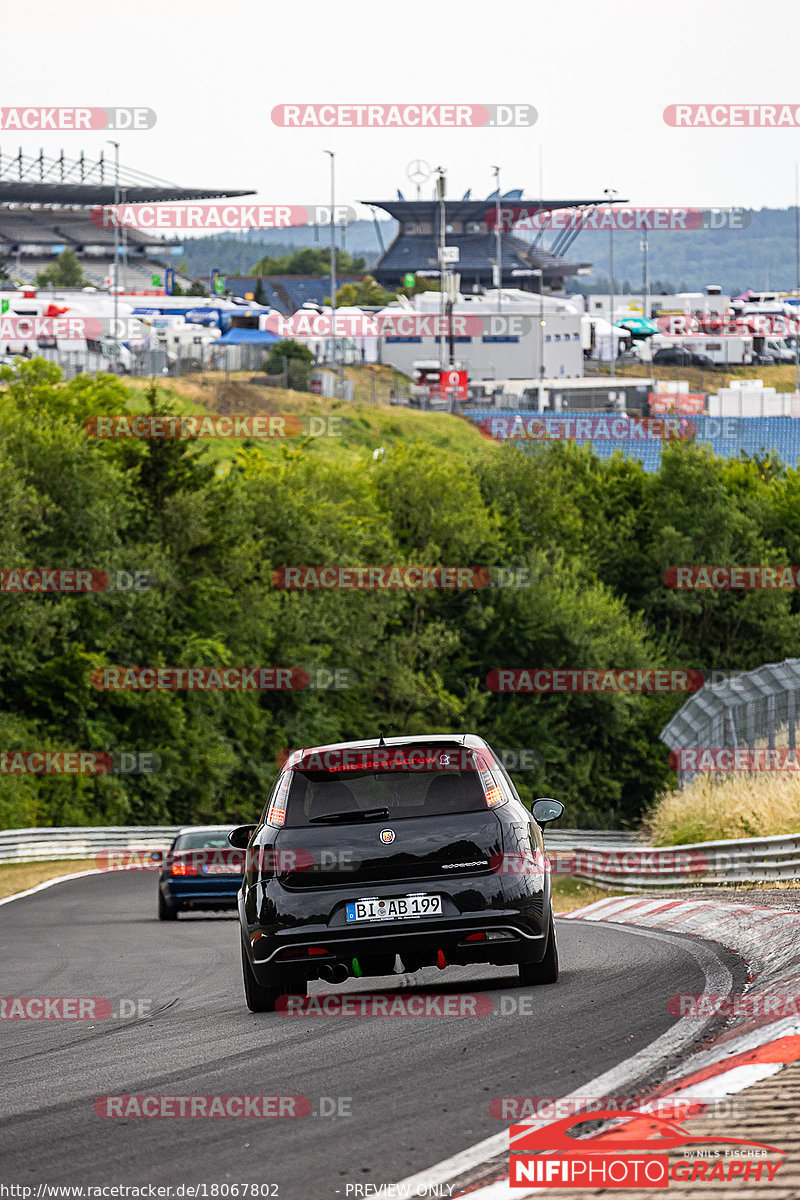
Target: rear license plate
x,y
400,908
220,869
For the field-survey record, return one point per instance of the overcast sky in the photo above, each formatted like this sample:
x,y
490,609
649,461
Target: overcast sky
x,y
599,75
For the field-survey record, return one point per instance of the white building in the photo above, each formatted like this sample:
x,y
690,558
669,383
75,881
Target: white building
x,y
519,331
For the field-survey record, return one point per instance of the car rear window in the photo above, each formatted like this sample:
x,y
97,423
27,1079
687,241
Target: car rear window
x,y
214,840
404,794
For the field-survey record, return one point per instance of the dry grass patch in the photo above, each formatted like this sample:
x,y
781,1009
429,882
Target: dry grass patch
x,y
765,804
18,877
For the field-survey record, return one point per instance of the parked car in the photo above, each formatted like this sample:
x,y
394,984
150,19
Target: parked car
x,y
679,356
418,847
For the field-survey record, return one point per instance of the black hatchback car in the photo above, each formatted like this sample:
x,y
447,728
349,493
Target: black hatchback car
x,y
418,847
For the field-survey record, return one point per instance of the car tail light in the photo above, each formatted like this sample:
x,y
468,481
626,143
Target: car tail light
x,y
304,952
494,935
490,790
277,808
185,867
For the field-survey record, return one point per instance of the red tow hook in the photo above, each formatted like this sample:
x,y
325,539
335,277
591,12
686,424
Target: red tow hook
x,y
441,961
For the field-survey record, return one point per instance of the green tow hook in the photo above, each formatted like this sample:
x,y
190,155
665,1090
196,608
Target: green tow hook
x,y
357,969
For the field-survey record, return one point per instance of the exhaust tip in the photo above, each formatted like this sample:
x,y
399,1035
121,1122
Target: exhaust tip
x,y
334,972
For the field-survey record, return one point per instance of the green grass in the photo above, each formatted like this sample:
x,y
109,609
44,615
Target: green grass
x,y
365,426
781,376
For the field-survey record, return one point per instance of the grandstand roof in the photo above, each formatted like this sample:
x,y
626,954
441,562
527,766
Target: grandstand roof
x,y
468,210
91,194
47,180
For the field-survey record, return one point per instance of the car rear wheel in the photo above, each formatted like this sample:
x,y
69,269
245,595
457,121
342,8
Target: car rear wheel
x,y
545,971
166,912
258,997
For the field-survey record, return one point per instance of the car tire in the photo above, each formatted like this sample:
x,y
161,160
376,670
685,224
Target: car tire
x,y
166,912
546,970
257,997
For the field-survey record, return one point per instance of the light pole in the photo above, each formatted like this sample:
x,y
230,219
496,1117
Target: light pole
x,y
645,278
611,193
797,279
538,271
333,250
115,275
498,242
440,186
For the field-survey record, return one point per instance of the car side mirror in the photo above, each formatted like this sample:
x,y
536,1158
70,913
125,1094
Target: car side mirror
x,y
240,837
546,810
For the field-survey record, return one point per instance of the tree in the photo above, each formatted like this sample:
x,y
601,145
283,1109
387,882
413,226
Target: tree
x,y
259,295
368,291
65,272
288,348
420,285
169,465
308,262
197,289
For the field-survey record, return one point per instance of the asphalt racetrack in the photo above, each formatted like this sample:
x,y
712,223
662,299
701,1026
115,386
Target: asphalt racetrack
x,y
390,1096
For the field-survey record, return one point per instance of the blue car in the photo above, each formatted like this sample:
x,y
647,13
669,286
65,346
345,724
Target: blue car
x,y
199,871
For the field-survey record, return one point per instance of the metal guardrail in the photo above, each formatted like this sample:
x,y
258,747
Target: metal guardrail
x,y
607,858
640,868
587,839
46,844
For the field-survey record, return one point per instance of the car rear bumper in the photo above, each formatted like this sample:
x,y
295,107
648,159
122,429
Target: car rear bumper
x,y
219,892
273,945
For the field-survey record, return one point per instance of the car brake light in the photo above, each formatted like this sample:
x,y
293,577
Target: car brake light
x,y
277,809
490,790
476,937
184,868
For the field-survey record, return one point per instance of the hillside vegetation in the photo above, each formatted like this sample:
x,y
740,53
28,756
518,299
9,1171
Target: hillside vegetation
x,y
211,520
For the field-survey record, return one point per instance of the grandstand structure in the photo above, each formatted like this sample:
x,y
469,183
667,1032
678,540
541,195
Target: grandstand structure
x,y
470,227
45,208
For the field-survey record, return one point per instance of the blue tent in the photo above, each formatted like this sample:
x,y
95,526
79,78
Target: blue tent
x,y
248,337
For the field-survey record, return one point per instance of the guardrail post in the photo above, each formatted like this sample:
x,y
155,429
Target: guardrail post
x,y
791,717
